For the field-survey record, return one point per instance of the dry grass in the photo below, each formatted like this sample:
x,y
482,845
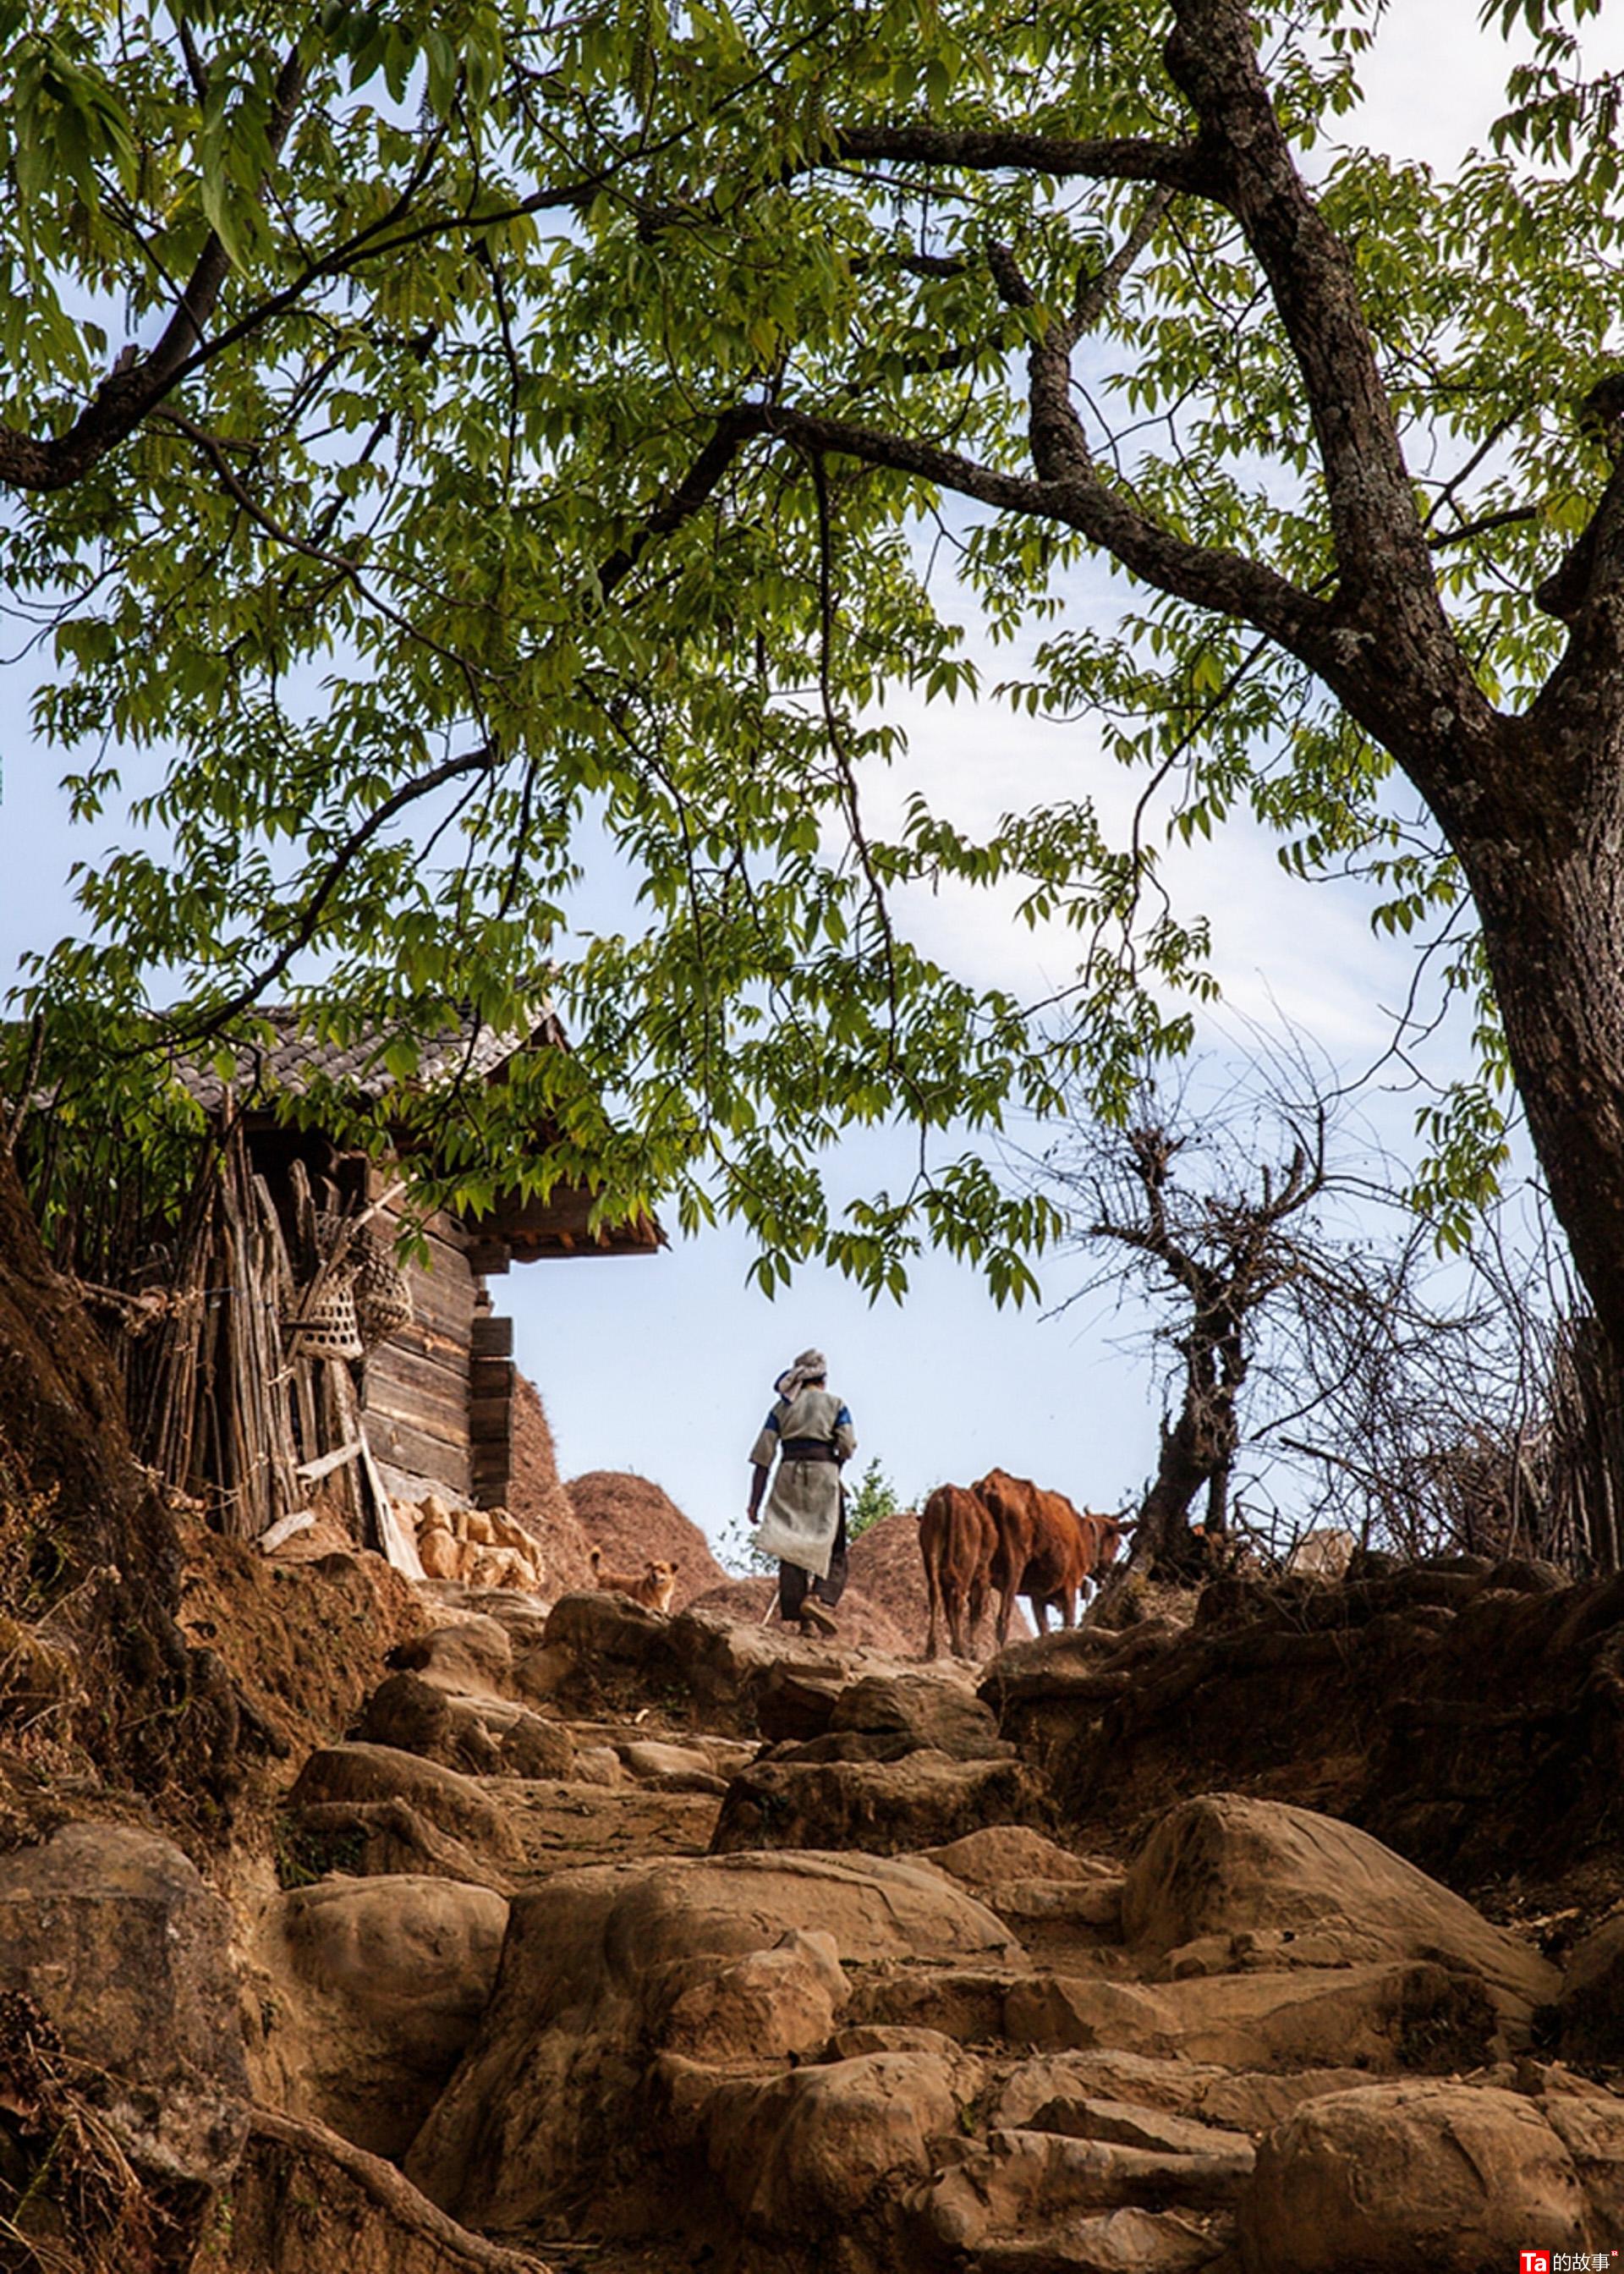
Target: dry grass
x,y
70,2201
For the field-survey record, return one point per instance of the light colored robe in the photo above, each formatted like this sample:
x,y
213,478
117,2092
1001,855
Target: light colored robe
x,y
802,1513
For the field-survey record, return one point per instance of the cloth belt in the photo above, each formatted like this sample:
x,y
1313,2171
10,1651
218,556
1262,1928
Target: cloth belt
x,y
808,1448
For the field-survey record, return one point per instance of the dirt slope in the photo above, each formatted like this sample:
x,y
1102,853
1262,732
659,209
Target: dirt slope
x,y
865,1624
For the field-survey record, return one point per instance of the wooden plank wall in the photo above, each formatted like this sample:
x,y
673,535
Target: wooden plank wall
x,y
416,1387
490,1409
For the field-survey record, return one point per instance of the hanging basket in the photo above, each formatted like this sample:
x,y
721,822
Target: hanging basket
x,y
365,1301
382,1298
330,1328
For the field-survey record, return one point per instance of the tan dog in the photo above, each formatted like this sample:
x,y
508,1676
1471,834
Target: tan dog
x,y
654,1587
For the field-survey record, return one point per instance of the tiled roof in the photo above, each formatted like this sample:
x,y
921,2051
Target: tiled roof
x,y
297,1057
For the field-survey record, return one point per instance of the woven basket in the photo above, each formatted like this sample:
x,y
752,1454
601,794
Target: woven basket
x,y
382,1298
331,1328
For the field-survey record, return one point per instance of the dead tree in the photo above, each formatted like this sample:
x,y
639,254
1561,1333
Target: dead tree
x,y
1222,1249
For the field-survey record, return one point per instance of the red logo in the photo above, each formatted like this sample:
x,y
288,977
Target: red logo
x,y
1533,2261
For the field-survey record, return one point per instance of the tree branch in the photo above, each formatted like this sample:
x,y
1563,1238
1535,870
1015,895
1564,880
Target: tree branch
x,y
130,391
734,429
342,566
483,760
1225,581
1381,549
1176,165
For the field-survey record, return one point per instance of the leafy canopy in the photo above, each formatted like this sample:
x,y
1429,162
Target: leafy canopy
x,y
444,437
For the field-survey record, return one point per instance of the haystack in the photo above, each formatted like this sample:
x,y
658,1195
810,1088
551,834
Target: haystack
x,y
632,1519
537,1497
886,1567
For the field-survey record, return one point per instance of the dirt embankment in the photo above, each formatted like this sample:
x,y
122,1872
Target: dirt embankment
x,y
1470,1714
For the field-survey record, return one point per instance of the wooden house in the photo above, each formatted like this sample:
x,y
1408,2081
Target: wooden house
x,y
289,1359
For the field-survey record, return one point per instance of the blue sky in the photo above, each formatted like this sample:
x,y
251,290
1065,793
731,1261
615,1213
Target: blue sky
x,y
665,1366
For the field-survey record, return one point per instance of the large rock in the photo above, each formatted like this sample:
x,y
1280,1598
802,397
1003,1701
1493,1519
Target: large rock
x,y
470,1655
518,1611
376,1988
795,1700
767,2004
671,1768
1036,2200
1051,1896
380,1840
605,1968
1080,2115
1418,2016
606,1631
916,1713
116,1940
965,2002
1428,2178
604,1652
420,1717
820,2151
1039,2095
480,1734
864,1623
885,1807
1007,1855
1589,2124
1286,1887
1591,2004
1460,1721
358,1774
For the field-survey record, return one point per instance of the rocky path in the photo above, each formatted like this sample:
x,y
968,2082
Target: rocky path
x,y
605,1941
640,1942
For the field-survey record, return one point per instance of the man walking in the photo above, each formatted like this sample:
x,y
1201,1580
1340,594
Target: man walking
x,y
810,1432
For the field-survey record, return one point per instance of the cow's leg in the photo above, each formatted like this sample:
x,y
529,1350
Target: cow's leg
x,y
1068,1607
933,1594
1005,1579
1039,1612
955,1618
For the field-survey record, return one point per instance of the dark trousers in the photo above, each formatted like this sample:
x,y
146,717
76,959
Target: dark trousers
x,y
794,1584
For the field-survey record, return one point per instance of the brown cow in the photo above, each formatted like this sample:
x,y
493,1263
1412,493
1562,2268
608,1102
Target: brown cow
x,y
1047,1552
1109,1533
1011,1502
1073,1550
957,1541
1058,1562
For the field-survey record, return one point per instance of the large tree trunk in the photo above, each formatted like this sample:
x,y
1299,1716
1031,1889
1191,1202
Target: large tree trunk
x,y
1549,888
86,1543
1197,1455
